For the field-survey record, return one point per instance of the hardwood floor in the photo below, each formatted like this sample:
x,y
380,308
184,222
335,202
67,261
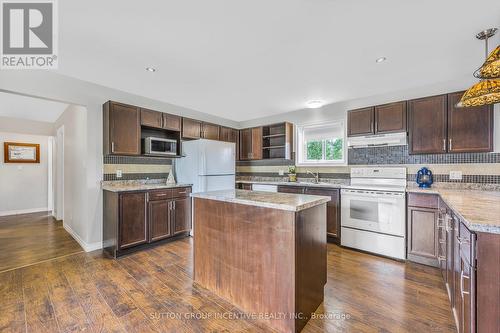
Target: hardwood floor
x,y
30,238
153,291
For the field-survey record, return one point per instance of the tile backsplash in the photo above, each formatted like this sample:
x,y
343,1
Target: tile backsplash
x,y
476,168
136,167
400,155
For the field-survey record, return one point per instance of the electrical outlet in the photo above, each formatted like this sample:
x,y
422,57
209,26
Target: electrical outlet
x,y
119,174
281,172
455,175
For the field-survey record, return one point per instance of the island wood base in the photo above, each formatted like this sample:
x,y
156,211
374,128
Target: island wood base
x,y
267,262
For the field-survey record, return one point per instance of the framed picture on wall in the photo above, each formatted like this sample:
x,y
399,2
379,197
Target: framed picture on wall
x,y
15,152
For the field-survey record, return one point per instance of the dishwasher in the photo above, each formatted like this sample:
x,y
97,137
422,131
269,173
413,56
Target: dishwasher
x,y
264,188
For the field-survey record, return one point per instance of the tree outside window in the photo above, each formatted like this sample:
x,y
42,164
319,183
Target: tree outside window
x,y
325,150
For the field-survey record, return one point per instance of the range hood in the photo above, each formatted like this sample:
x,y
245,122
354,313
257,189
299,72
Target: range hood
x,y
379,140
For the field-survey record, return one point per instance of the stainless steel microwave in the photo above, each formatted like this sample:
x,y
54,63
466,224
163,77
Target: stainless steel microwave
x,y
159,146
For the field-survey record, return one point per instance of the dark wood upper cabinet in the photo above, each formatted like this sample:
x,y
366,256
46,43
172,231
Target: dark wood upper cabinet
x,y
469,129
122,130
191,129
360,122
228,134
332,211
251,143
133,223
151,118
390,118
209,131
181,215
159,220
172,122
427,125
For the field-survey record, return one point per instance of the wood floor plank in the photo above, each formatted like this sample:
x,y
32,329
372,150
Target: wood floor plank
x,y
40,315
31,238
101,317
153,291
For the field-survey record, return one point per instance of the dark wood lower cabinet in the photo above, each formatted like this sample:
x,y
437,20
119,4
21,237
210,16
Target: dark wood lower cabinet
x,y
471,274
159,220
181,215
422,236
132,220
332,207
332,211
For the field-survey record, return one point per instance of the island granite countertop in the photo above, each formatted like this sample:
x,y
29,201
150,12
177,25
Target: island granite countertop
x,y
282,201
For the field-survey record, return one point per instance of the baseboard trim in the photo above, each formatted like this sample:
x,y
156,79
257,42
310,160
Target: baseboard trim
x,y
86,246
24,211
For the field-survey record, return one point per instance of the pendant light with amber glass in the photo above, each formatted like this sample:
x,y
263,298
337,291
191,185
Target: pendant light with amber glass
x,y
486,91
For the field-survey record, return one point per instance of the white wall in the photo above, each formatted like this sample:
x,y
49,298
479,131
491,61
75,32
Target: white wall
x,y
74,120
23,126
24,186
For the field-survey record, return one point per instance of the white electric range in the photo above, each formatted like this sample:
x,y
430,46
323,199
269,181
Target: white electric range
x,y
373,211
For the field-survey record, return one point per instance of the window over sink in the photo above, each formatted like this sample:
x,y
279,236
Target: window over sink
x,y
321,144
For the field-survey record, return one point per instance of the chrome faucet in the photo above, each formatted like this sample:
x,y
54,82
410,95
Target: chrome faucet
x,y
316,176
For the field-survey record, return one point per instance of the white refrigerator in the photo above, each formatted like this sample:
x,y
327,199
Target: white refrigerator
x,y
209,165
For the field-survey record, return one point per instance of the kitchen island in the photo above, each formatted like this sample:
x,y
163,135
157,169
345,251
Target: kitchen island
x,y
263,252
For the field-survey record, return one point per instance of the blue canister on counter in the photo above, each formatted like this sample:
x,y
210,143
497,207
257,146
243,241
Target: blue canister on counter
x,y
424,178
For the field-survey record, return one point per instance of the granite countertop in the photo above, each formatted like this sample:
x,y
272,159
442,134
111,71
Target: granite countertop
x,y
131,187
278,183
282,201
479,210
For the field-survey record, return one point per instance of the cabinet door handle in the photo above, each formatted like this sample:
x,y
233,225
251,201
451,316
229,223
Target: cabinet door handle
x,y
173,205
462,291
444,144
449,144
112,147
183,192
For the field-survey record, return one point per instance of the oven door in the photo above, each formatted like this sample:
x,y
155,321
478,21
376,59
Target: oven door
x,y
382,212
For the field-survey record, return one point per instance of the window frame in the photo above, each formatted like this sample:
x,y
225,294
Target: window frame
x,y
301,145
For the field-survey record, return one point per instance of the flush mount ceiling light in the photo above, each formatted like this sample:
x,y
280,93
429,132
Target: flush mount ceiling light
x,y
381,59
151,69
486,91
315,104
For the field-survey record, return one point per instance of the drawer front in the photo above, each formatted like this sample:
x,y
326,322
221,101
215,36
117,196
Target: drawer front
x,y
423,200
181,192
291,189
466,241
160,195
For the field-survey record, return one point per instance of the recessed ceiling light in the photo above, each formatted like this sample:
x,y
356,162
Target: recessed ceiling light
x,y
151,69
381,59
315,104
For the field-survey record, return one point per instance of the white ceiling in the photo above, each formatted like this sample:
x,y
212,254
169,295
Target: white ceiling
x,y
248,59
24,107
